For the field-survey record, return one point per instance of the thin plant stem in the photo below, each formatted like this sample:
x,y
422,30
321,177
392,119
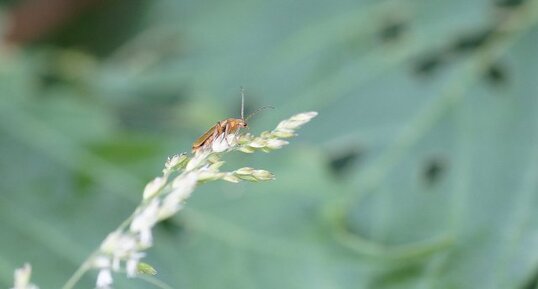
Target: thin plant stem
x,y
87,264
84,267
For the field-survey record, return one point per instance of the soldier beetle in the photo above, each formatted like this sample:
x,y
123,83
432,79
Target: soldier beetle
x,y
225,127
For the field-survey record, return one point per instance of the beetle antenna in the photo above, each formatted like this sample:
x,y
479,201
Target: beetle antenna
x,y
242,103
258,110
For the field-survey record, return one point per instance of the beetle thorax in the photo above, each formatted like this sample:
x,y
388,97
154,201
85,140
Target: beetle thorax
x,y
234,124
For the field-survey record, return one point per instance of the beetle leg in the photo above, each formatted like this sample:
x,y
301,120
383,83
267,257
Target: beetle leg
x,y
226,132
219,129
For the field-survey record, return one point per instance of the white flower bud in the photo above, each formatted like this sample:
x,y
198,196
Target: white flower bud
x,y
209,175
132,264
175,161
22,278
116,262
182,186
146,218
249,178
276,143
153,187
101,262
231,178
143,223
263,175
296,121
252,175
244,171
246,149
216,166
244,138
304,117
197,160
258,143
171,204
185,183
119,244
131,267
104,279
231,138
145,238
283,133
220,144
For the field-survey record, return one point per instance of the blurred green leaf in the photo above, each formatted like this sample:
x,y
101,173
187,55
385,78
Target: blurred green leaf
x,y
420,171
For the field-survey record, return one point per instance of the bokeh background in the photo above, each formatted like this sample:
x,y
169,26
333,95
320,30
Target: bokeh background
x,y
420,171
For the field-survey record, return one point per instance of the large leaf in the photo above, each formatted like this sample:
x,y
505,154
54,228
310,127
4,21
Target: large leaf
x,y
420,171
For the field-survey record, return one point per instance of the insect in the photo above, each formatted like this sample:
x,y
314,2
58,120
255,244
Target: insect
x,y
225,127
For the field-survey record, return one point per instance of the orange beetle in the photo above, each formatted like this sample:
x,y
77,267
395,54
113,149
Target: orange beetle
x,y
224,127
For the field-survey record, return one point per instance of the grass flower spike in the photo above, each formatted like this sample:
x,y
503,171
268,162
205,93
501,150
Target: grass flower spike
x,y
123,249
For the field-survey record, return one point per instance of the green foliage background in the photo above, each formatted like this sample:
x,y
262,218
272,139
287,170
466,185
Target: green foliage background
x,y
421,170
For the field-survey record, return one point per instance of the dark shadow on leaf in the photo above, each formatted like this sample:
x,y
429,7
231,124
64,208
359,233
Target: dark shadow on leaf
x,y
497,74
392,30
429,64
341,162
509,3
472,41
433,170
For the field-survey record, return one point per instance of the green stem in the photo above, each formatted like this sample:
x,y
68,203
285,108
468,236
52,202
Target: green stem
x,y
87,264
75,278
